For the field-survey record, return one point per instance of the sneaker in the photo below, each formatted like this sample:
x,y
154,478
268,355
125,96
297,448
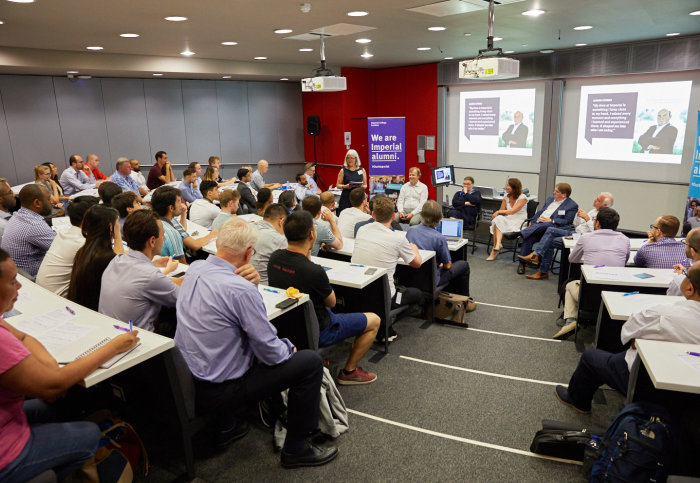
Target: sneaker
x,y
562,394
392,336
358,376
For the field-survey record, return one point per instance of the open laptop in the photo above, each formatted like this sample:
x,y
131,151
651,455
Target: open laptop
x,y
451,229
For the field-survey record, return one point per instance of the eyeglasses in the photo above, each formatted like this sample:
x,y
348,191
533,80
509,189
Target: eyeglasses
x,y
684,241
252,248
653,227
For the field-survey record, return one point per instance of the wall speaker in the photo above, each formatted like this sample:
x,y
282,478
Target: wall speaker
x,y
313,125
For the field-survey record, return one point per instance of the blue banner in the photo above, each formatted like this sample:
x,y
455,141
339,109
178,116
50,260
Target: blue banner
x,y
692,206
387,146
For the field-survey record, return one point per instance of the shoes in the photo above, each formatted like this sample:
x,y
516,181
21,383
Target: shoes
x,y
310,456
358,376
566,331
494,254
538,276
228,436
562,394
561,322
392,335
533,259
521,268
491,258
471,306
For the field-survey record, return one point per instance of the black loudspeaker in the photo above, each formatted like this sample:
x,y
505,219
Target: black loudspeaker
x,y
313,125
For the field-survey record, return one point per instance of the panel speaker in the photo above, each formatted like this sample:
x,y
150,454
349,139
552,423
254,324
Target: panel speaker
x,y
313,125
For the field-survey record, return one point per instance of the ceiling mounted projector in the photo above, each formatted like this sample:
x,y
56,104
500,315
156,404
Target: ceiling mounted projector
x,y
324,80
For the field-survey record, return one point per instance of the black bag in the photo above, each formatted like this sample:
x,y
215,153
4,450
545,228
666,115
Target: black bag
x,y
562,440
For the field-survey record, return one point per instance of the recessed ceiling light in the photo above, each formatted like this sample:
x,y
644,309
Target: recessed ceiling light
x,y
423,48
697,12
226,77
94,47
157,75
283,31
497,39
187,52
673,34
449,58
437,29
1,22
581,45
284,78
84,77
467,34
21,1
583,27
509,52
546,51
357,13
71,72
306,50
129,36
229,43
260,58
367,55
533,13
175,19
363,41
523,45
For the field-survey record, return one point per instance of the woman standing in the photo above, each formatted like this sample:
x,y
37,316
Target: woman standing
x,y
351,176
510,216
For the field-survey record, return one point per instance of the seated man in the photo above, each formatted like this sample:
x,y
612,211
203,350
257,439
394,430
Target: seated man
x,y
122,177
395,225
161,172
107,191
166,201
292,268
558,211
7,203
310,171
73,179
27,237
466,203
203,211
426,237
327,232
380,246
552,238
228,201
55,270
271,238
289,200
215,162
148,288
257,181
92,169
303,189
189,187
138,176
247,203
328,203
662,250
125,203
604,246
692,251
234,353
411,198
672,322
358,212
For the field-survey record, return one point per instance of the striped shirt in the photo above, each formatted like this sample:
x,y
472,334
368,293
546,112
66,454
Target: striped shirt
x,y
663,253
172,246
27,238
127,183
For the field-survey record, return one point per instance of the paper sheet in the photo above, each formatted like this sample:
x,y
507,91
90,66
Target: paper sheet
x,y
66,333
348,275
43,322
691,361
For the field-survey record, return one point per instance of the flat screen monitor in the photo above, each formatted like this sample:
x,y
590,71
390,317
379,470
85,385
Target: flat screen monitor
x,y
443,176
450,228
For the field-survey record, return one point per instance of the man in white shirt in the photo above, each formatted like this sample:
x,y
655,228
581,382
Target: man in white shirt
x,y
257,181
310,171
358,212
7,202
583,223
55,270
411,198
327,232
303,189
676,322
692,251
271,238
138,175
204,211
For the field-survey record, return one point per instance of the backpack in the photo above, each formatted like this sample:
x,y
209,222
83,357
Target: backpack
x,y
638,446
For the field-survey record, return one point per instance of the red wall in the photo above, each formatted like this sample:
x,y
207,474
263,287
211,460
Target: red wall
x,y
410,92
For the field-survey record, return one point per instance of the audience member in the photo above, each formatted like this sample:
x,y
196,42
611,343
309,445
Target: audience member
x,y
466,203
215,162
103,241
7,203
54,177
125,203
228,201
510,216
42,176
257,181
675,322
426,237
107,191
310,172
137,175
27,236
289,200
188,187
395,225
197,171
234,353
149,288
92,169
692,251
303,189
271,238
603,246
293,268
122,177
161,173
359,211
30,441
247,203
662,250
328,203
411,198
204,211
265,199
350,177
55,270
74,179
327,232
379,246
211,174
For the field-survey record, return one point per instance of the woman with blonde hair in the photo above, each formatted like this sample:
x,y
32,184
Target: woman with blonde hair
x,y
42,176
349,177
510,216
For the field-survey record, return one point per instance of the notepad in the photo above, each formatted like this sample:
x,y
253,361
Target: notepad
x,y
68,358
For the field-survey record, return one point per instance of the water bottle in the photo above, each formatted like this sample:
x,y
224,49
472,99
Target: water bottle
x,y
447,199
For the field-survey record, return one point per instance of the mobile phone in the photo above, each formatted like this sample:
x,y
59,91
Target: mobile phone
x,y
286,303
370,271
177,275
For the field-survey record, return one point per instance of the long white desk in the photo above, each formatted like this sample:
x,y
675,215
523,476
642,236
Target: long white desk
x,y
272,296
666,370
347,275
661,277
349,246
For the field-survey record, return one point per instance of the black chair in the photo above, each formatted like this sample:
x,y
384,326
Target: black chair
x,y
514,236
470,232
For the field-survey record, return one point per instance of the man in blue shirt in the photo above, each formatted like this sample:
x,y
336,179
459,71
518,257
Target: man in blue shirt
x,y
189,188
73,179
426,237
122,177
234,353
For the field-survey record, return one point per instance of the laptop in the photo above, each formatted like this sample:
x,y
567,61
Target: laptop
x,y
451,229
486,191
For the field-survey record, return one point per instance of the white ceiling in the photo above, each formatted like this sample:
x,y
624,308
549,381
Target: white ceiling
x,y
51,36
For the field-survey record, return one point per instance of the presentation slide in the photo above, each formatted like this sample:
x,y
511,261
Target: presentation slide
x,y
497,121
633,122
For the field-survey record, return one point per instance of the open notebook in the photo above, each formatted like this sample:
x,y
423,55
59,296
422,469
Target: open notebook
x,y
71,353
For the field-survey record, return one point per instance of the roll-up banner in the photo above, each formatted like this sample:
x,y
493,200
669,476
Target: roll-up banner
x,y
692,204
387,152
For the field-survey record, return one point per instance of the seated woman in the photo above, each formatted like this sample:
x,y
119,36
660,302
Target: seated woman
x,y
289,200
42,176
211,174
100,228
30,443
264,200
65,200
510,216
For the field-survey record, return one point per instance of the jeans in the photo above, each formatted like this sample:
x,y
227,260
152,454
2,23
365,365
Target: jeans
x,y
457,277
62,447
548,243
595,368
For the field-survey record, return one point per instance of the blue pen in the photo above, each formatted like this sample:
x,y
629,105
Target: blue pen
x,y
70,311
121,328
270,290
356,265
598,266
131,326
630,293
696,354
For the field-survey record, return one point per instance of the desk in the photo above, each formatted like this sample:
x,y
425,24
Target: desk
x,y
87,192
251,217
614,312
345,253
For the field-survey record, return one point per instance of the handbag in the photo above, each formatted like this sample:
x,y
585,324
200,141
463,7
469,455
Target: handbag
x,y
453,308
562,440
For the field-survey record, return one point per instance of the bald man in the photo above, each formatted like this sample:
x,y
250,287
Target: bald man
x,y
258,181
516,134
659,139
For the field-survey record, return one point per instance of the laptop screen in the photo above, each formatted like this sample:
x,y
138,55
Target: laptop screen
x,y
450,228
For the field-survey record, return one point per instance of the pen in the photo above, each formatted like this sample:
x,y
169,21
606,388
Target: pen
x,y
70,311
270,290
696,354
598,266
356,265
120,328
131,326
629,293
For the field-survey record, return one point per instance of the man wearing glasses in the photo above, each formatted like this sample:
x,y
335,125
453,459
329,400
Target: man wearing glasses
x,y
7,202
692,251
662,250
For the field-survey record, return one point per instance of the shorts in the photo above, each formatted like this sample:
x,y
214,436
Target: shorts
x,y
342,326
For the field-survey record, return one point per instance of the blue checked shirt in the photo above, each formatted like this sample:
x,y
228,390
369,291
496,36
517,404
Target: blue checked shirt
x,y
27,238
127,183
664,253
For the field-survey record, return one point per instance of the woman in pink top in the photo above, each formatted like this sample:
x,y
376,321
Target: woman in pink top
x,y
28,370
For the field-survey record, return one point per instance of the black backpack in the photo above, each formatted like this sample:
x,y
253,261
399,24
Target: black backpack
x,y
638,446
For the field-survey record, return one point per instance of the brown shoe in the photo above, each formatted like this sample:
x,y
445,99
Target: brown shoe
x,y
538,276
471,306
533,258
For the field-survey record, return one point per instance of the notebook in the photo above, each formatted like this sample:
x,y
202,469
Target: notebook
x,y
451,229
71,355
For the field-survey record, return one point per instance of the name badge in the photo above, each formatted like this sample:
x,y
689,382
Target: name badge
x,y
359,171
561,212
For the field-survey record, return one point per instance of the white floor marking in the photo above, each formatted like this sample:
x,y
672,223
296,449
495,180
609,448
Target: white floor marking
x,y
516,308
464,440
514,335
493,374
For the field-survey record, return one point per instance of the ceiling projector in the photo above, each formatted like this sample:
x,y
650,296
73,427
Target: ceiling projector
x,y
489,68
324,84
